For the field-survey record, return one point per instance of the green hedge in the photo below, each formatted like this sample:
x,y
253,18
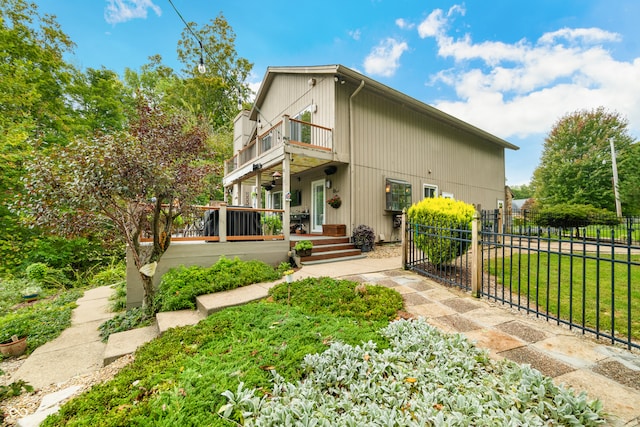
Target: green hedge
x,y
443,240
567,216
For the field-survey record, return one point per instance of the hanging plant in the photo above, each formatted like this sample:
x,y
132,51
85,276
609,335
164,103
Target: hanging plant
x,y
335,201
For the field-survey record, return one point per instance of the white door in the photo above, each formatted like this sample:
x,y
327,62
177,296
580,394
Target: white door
x,y
317,206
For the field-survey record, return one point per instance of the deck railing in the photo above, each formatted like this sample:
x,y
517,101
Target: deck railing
x,y
301,133
222,223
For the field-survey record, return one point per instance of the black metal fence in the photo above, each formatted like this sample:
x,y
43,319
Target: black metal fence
x,y
587,281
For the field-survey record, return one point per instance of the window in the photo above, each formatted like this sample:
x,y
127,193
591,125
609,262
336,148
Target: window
x,y
397,195
301,132
276,200
430,191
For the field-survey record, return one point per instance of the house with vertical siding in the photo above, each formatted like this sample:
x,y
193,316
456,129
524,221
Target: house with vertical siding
x,y
328,132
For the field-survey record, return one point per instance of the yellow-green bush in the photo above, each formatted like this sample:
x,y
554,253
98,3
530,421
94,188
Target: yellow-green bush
x,y
439,226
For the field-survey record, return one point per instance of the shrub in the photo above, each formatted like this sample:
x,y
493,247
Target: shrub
x,y
441,228
111,275
363,237
48,277
566,215
180,286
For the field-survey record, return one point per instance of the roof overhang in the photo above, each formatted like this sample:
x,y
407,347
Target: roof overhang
x,y
350,75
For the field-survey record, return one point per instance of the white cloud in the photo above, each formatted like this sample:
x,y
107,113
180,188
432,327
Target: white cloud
x,y
118,11
384,59
355,34
521,89
404,25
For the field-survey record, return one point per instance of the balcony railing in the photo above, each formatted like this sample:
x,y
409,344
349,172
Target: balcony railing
x,y
301,134
224,223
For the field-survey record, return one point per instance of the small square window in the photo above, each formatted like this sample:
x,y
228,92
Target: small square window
x,y
430,191
397,195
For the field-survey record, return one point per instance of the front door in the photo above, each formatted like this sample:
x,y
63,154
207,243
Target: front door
x,y
317,206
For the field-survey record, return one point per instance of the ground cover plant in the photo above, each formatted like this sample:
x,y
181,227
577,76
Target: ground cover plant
x,y
424,378
546,277
189,376
180,286
41,321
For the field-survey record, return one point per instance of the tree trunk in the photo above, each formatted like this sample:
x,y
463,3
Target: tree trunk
x,y
149,294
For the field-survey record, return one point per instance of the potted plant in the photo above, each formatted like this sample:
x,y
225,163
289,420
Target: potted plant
x,y
15,347
335,202
271,224
303,248
363,237
31,293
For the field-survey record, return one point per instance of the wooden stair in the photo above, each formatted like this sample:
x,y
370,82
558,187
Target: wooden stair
x,y
329,250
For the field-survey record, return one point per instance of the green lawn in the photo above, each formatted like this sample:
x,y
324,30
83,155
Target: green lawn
x,y
563,284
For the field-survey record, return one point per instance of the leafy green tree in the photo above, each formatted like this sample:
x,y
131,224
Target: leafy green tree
x,y
215,94
100,101
575,167
523,191
33,82
134,182
155,81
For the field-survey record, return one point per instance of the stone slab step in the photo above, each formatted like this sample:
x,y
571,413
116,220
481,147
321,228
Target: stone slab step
x,y
173,319
211,303
127,342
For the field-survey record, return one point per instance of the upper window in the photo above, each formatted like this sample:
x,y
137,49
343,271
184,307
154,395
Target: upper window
x,y
301,132
430,191
397,195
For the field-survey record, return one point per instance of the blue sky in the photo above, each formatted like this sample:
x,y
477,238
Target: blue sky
x,y
512,68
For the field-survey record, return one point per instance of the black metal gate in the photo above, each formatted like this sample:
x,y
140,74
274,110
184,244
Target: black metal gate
x,y
590,283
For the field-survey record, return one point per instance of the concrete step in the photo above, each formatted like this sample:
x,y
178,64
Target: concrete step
x,y
173,319
127,342
211,303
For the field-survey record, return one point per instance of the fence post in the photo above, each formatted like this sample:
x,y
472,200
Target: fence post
x,y
403,228
476,260
500,229
222,222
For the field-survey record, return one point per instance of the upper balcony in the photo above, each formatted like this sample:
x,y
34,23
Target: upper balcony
x,y
300,134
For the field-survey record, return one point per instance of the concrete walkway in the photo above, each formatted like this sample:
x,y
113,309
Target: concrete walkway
x,y
606,372
78,350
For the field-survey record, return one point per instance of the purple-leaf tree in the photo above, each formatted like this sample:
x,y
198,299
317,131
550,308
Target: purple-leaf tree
x,y
133,182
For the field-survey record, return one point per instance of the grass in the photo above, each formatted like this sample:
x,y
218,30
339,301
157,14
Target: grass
x,y
185,376
563,284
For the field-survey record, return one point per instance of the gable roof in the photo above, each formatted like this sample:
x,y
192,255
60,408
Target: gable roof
x,y
350,75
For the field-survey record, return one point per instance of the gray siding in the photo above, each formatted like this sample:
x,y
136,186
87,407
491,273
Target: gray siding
x,y
392,141
290,94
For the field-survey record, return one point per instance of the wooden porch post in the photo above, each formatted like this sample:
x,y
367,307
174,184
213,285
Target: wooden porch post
x,y
286,180
222,222
258,190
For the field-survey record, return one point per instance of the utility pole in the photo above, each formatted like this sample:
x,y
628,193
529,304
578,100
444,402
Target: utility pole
x,y
615,178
